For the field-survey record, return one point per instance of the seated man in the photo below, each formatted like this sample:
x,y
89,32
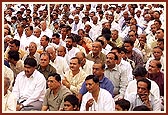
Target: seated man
x,y
54,97
44,67
105,83
16,64
143,96
10,101
29,87
96,99
74,78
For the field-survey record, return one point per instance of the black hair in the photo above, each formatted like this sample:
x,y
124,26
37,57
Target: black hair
x,y
145,81
141,108
93,77
115,56
31,62
123,103
139,70
56,76
130,42
116,48
16,42
72,99
106,31
13,55
56,35
79,62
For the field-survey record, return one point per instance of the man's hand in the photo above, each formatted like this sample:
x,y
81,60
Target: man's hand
x,y
19,107
145,99
89,104
66,83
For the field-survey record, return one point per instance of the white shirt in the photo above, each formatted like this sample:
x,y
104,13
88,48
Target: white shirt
x,y
25,41
135,100
78,26
16,36
71,53
47,32
107,49
9,73
60,64
105,102
87,68
132,87
9,103
31,89
124,65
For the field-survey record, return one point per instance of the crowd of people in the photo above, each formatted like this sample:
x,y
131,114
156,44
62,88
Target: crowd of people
x,y
84,57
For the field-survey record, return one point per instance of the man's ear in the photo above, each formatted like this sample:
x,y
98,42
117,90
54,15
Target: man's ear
x,y
75,108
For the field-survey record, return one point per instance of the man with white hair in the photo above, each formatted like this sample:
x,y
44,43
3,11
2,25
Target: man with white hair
x,y
76,25
58,62
44,30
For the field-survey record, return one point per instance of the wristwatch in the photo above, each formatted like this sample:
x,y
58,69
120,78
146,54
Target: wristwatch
x,y
21,106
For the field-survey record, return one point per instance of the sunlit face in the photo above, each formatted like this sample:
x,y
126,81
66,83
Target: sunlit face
x,y
13,47
61,51
44,60
74,65
110,60
55,40
153,69
97,70
96,47
32,47
52,53
128,47
157,53
68,43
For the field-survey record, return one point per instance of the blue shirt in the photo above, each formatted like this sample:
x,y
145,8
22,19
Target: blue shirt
x,y
105,83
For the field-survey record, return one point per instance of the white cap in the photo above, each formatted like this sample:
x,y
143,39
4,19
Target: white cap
x,y
22,7
88,23
104,21
137,9
71,17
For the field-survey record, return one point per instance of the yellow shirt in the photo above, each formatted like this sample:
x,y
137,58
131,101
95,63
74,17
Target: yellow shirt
x,y
75,81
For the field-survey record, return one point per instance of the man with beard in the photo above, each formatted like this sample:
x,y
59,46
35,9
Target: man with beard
x,y
70,50
131,54
29,87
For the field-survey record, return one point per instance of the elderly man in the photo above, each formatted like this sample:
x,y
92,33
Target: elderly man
x,y
96,55
58,62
